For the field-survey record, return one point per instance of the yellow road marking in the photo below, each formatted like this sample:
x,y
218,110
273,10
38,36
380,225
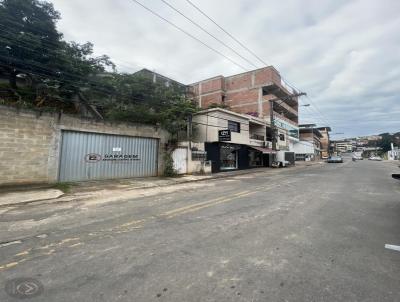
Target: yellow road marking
x,y
76,244
68,240
132,223
49,252
23,253
190,206
135,224
209,204
8,265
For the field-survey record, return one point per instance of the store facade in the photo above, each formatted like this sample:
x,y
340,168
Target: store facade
x,y
243,147
228,156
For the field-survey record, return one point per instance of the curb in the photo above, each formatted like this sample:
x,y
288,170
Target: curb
x,y
211,177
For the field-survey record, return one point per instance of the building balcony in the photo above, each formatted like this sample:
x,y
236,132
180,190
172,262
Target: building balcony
x,y
292,121
280,89
257,137
286,110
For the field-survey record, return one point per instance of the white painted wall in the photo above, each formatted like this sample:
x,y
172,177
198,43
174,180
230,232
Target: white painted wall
x,y
218,120
303,147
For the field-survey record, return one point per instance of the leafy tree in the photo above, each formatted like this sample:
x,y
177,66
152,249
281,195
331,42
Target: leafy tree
x,y
137,98
59,72
29,38
385,142
31,47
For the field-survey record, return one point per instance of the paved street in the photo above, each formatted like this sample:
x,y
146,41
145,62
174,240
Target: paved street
x,y
310,234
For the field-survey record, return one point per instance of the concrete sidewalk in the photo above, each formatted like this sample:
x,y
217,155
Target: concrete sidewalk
x,y
90,189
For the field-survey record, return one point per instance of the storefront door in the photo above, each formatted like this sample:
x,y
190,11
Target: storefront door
x,y
228,157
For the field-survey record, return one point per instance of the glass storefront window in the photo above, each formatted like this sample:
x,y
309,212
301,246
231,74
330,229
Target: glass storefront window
x,y
228,157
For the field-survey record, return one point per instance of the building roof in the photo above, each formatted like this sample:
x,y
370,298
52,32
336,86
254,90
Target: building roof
x,y
148,71
248,117
234,75
307,126
327,128
310,130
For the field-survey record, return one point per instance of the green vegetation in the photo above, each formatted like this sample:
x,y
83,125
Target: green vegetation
x,y
218,105
169,170
63,186
387,140
40,70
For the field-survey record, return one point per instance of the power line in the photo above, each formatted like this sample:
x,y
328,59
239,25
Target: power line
x,y
317,116
315,108
189,34
207,32
226,32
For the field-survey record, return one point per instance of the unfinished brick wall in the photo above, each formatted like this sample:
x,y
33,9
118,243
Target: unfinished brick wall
x,y
241,92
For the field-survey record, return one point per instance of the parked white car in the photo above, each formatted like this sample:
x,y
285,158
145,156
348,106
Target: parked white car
x,y
376,158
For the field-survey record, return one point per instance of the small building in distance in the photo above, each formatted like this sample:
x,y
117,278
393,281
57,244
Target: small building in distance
x,y
325,141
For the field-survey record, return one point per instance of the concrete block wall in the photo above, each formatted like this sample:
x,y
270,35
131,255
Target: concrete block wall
x,y
30,142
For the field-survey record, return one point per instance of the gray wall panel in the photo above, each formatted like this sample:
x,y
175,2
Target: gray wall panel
x,y
87,156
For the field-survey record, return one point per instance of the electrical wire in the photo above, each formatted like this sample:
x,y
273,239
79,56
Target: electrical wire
x,y
226,32
207,32
189,34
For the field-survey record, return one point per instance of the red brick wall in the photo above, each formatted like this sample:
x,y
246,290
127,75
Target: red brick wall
x,y
238,89
264,76
212,85
238,82
207,100
245,98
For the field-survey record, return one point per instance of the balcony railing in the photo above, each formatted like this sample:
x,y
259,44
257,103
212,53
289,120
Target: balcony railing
x,y
282,106
257,137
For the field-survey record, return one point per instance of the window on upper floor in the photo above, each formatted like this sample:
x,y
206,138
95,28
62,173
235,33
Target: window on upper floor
x,y
282,137
234,126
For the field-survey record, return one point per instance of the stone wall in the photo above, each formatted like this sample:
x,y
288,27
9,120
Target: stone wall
x,y
30,142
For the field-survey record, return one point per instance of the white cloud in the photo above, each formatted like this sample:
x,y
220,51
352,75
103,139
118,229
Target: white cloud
x,y
344,54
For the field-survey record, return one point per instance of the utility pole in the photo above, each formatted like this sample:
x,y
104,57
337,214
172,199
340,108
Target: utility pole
x,y
272,123
189,130
271,114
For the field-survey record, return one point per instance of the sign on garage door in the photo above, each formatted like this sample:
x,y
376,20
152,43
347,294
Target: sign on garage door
x,y
87,156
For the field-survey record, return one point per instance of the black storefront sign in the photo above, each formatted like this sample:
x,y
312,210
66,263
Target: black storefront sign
x,y
224,135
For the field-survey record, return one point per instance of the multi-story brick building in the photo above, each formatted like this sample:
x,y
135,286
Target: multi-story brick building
x,y
255,93
250,93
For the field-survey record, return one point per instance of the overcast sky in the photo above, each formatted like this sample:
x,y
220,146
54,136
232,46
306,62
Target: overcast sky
x,y
344,54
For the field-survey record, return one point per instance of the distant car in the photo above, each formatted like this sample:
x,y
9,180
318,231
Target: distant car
x,y
335,159
396,176
357,157
375,158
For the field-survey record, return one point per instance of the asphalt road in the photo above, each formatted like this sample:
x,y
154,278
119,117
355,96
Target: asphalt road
x,y
311,234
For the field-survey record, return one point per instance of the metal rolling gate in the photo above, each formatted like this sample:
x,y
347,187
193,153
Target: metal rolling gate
x,y
290,157
88,156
